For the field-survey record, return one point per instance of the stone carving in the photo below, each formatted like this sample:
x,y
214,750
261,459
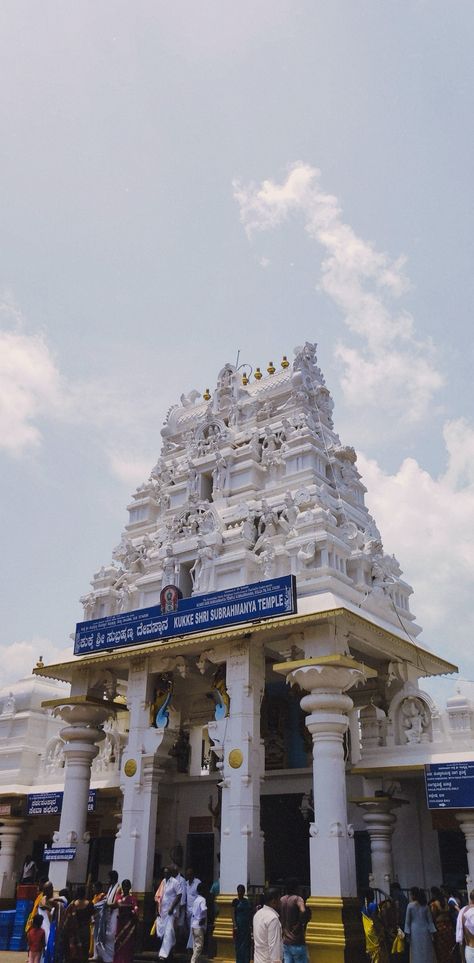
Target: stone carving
x,y
194,481
220,474
289,515
307,553
124,595
267,524
306,361
54,756
201,570
88,601
9,705
170,568
415,718
267,562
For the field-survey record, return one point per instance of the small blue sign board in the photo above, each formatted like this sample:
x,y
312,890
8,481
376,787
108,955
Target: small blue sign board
x,y
247,603
450,785
51,803
58,854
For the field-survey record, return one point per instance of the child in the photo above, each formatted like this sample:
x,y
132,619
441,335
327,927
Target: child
x,y
35,939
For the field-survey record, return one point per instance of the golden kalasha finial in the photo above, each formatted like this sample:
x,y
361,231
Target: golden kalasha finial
x,y
271,368
207,394
245,380
284,362
258,374
40,663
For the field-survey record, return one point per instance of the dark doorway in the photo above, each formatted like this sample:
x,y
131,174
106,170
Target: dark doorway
x,y
452,851
200,856
286,838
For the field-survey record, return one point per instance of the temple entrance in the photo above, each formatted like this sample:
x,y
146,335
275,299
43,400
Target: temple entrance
x,y
452,851
200,856
286,838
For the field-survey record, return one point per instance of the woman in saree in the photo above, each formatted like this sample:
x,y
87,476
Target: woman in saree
x,y
375,944
76,930
127,923
444,938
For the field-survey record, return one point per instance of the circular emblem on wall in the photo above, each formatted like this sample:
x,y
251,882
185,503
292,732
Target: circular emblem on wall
x,y
130,767
236,758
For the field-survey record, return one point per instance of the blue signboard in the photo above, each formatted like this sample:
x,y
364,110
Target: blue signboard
x,y
51,803
58,854
247,603
450,785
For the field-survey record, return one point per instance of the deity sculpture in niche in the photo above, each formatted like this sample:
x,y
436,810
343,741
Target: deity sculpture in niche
x,y
219,474
181,751
201,570
415,719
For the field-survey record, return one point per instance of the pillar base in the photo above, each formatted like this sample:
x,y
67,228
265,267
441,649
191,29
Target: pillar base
x,y
334,933
223,929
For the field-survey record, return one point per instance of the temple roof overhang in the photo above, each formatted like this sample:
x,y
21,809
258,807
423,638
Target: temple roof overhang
x,y
371,640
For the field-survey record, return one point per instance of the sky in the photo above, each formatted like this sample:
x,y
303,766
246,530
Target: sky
x,y
182,182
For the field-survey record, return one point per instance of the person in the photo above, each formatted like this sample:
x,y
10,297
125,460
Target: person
x,y
419,928
190,891
242,926
76,929
127,923
465,929
29,871
39,897
35,939
198,923
444,940
168,902
373,929
107,924
267,937
98,895
294,917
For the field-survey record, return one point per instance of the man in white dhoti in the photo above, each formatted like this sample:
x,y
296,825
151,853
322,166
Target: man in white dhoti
x,y
107,927
191,885
168,907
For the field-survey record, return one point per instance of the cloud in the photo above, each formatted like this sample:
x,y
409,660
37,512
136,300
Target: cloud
x,y
34,393
30,387
392,367
428,523
19,658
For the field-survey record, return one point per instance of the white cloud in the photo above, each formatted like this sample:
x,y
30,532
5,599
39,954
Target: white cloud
x,y
35,393
393,367
19,658
428,523
30,388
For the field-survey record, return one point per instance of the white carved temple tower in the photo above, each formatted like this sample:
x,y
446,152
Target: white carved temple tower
x,y
253,484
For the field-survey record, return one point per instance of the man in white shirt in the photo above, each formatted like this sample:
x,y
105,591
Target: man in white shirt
x,y
465,929
169,902
268,945
198,923
191,891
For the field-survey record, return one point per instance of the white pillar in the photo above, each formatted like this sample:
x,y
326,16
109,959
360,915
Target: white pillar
x,y
466,822
80,735
143,765
243,768
10,832
380,822
331,845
